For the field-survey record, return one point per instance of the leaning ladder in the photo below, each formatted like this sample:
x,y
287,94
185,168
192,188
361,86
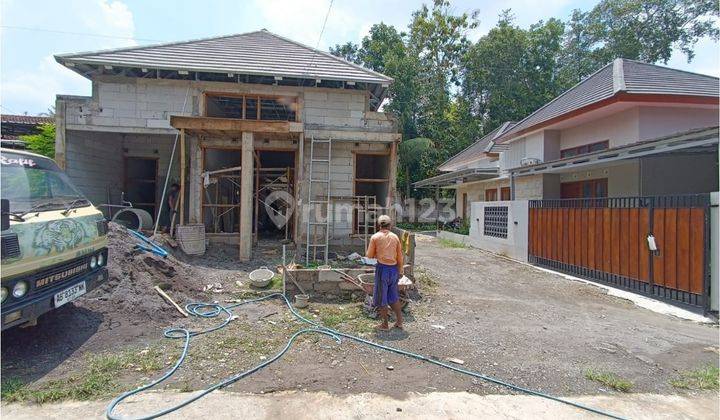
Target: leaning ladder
x,y
318,241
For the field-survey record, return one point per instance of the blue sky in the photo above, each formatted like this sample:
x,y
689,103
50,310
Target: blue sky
x,y
30,78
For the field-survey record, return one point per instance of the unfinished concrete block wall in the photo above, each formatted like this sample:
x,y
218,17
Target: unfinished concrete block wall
x,y
341,183
95,164
341,109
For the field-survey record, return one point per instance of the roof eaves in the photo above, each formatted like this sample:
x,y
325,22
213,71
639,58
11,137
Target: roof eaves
x,y
79,57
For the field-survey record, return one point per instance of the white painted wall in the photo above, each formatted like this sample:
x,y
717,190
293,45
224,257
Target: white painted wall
x,y
515,245
663,121
619,128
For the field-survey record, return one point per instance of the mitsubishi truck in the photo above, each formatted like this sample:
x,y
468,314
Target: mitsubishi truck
x,y
54,241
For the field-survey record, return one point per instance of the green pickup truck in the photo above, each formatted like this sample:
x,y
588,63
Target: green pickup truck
x,y
54,241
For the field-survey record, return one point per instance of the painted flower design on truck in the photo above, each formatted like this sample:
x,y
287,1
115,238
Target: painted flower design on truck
x,y
58,235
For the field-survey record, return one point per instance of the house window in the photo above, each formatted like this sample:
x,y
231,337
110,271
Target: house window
x,y
251,107
585,148
491,195
591,188
505,193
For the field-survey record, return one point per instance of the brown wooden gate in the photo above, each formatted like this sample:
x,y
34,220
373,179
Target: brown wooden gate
x,y
606,240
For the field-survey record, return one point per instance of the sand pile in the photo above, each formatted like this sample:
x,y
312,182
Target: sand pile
x,y
133,276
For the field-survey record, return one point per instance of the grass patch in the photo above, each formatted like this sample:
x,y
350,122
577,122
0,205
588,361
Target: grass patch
x,y
99,378
425,280
449,243
348,318
609,379
701,378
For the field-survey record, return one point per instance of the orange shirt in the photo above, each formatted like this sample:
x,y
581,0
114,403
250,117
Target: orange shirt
x,y
385,247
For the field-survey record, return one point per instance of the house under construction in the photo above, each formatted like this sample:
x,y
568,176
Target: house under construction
x,y
267,138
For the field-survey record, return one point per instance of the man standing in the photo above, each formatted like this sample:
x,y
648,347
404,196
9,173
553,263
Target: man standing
x,y
386,248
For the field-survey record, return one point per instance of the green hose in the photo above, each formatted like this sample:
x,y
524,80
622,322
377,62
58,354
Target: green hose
x,y
211,310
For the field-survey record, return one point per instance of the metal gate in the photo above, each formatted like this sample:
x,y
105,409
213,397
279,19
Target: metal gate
x,y
606,240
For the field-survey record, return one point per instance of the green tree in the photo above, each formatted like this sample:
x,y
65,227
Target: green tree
x,y
645,30
511,71
42,143
414,154
348,51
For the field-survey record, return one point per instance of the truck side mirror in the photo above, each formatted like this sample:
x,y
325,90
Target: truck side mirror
x,y
5,210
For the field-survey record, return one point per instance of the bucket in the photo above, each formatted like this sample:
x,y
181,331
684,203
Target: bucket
x,y
191,238
261,277
302,301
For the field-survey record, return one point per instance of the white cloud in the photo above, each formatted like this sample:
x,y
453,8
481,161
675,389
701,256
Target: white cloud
x,y
302,21
31,88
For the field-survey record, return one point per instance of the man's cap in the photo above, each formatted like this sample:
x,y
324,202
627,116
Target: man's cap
x,y
384,219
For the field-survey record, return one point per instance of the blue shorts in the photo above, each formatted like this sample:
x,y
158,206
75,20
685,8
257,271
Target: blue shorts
x,y
385,291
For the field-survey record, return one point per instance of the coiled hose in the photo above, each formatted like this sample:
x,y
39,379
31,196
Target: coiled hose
x,y
212,310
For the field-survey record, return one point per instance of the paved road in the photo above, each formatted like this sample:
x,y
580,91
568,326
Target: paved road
x,y
315,406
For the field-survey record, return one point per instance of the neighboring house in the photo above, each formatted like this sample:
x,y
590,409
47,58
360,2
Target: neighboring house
x,y
596,140
615,180
255,114
604,118
14,126
474,173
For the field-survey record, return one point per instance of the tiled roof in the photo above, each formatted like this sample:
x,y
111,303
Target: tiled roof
x,y
25,119
253,53
622,75
475,151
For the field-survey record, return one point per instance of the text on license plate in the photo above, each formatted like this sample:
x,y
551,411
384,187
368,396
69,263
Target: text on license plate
x,y
70,294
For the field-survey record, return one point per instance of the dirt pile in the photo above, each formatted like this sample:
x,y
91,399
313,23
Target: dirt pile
x,y
133,276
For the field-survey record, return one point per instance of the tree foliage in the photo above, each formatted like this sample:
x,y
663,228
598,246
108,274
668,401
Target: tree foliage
x,y
448,90
42,143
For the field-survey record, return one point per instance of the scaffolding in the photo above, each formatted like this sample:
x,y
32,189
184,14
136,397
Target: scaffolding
x,y
268,181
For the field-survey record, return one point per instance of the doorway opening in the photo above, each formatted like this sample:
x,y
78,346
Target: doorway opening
x,y
221,190
274,194
140,183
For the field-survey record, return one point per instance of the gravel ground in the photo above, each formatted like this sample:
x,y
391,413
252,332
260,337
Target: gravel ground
x,y
501,318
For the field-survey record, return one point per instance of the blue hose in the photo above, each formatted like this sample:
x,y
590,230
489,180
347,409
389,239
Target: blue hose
x,y
212,310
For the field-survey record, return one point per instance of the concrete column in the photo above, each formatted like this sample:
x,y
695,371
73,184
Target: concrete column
x,y
246,197
60,155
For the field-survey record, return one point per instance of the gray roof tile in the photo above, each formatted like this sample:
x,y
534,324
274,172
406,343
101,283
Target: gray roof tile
x,y
476,150
622,75
255,53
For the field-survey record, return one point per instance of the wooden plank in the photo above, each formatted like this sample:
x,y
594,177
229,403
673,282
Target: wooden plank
x,y
555,234
182,177
583,237
633,238
615,240
643,252
579,233
565,238
607,240
547,223
591,238
669,248
697,250
624,242
598,239
233,125
683,249
571,236
658,260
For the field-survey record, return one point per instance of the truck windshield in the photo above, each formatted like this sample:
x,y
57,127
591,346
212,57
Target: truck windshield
x,y
32,182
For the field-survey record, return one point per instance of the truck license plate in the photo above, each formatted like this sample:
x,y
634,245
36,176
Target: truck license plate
x,y
70,294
